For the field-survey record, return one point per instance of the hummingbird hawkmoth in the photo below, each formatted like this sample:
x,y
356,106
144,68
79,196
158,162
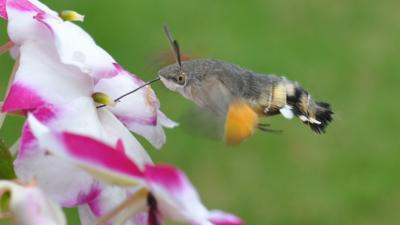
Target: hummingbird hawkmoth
x,y
241,96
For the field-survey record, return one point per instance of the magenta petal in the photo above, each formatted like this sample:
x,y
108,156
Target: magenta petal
x,y
95,152
3,12
93,193
44,114
120,146
166,176
176,197
21,97
27,140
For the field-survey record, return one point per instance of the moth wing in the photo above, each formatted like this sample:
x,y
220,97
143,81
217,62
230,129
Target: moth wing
x,y
200,121
224,115
213,95
207,119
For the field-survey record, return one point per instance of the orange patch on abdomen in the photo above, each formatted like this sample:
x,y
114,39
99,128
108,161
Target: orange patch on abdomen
x,y
241,120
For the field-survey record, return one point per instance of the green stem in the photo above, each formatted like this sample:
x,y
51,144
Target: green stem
x,y
6,163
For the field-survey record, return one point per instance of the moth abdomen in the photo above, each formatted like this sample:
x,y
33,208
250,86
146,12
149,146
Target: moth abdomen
x,y
279,95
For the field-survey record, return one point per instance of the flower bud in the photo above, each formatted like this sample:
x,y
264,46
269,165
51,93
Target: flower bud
x,y
69,15
103,99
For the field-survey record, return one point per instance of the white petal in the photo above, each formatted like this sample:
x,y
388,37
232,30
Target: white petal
x,y
154,134
80,117
139,111
36,127
139,107
110,198
165,121
76,47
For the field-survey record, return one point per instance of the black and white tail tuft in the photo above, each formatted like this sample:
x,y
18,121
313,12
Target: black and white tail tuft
x,y
315,114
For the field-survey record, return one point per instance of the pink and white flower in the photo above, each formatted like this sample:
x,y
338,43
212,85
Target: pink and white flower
x,y
59,67
82,155
59,62
171,195
29,206
81,117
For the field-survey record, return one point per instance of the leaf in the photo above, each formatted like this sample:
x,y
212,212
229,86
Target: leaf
x,y
6,163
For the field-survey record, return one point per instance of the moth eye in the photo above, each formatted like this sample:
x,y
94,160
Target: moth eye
x,y
181,79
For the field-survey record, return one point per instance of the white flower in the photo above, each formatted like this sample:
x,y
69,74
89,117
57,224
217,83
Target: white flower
x,y
28,205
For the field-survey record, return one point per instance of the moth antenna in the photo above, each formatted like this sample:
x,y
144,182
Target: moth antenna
x,y
174,44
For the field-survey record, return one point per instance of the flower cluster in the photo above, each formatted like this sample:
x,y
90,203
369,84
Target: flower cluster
x,y
76,153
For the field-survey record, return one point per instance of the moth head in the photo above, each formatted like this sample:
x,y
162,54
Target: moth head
x,y
173,77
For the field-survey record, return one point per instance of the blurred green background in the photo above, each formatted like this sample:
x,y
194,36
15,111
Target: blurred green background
x,y
344,52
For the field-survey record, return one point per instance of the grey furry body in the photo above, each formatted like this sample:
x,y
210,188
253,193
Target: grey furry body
x,y
214,84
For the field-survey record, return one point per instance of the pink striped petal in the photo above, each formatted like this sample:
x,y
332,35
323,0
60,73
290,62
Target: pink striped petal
x,y
115,130
175,195
99,159
65,182
20,98
138,111
57,182
41,79
97,154
178,200
139,107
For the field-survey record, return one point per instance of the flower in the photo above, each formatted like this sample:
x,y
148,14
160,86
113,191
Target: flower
x,y
167,190
65,182
59,67
82,155
59,62
29,206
